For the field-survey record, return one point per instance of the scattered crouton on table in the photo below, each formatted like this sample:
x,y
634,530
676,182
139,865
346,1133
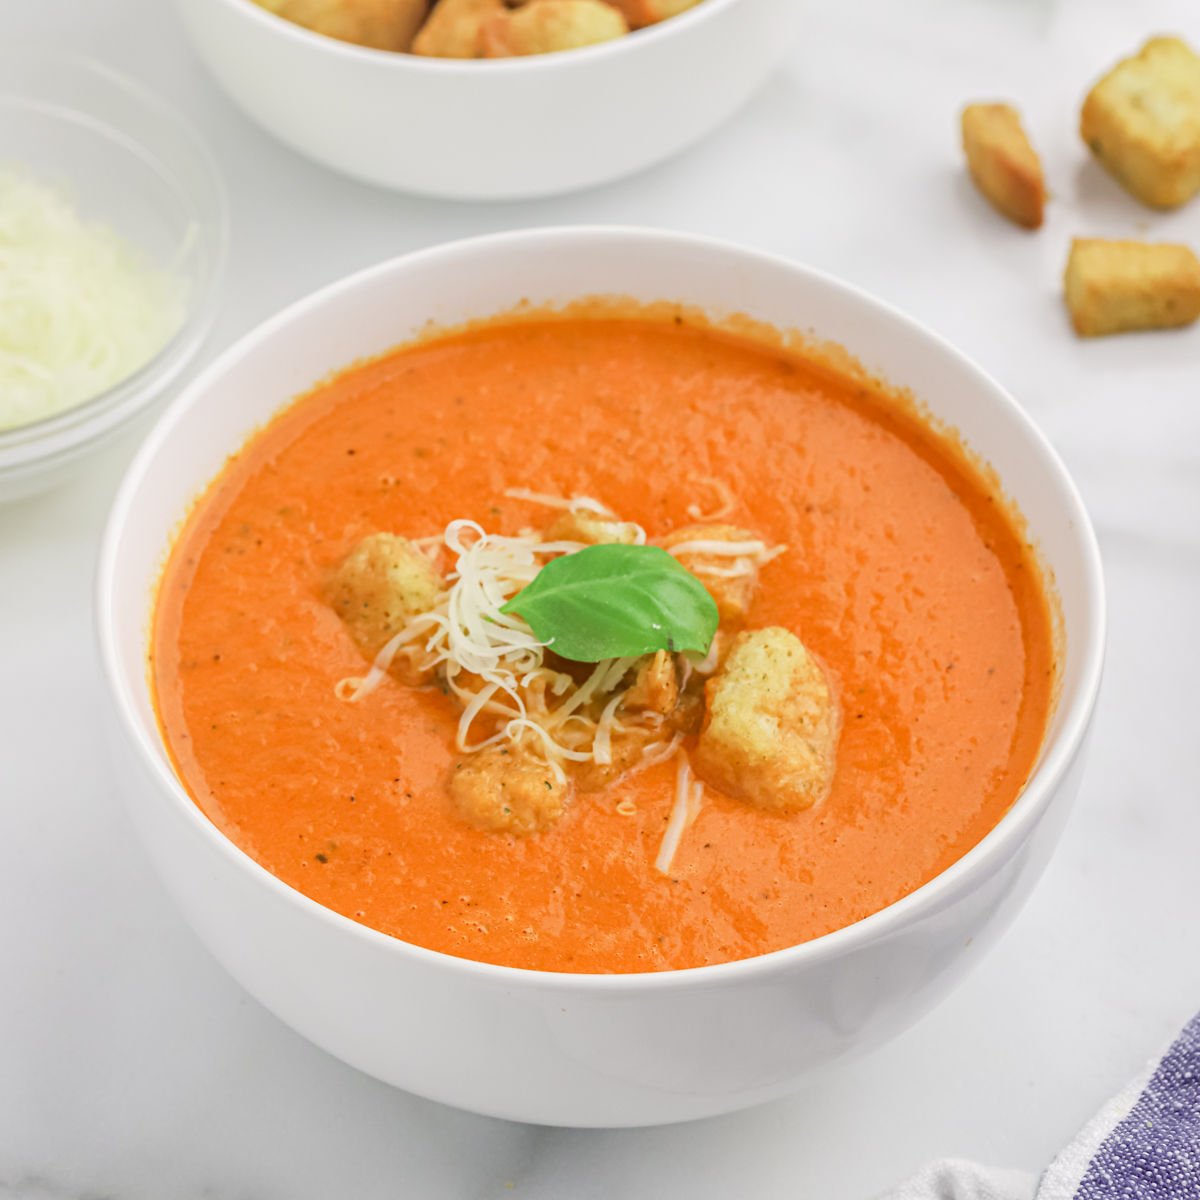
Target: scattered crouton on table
x,y
1003,163
1118,287
1142,121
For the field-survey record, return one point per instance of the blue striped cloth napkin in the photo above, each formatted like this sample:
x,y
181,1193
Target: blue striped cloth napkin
x,y
1143,1145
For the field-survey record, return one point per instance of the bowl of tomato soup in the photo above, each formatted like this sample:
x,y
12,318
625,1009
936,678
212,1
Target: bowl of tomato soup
x,y
598,677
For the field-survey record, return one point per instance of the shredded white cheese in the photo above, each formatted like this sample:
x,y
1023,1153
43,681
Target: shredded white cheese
x,y
658,752
494,664
706,665
566,503
80,310
748,557
689,798
581,504
726,504
721,549
497,667
602,743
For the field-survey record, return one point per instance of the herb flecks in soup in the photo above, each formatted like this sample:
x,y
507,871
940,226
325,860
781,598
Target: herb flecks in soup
x,y
901,645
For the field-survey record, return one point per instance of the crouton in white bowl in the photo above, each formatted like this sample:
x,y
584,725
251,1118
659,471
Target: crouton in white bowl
x,y
533,124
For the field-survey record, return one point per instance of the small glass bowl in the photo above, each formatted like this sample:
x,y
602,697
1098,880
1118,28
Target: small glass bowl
x,y
128,160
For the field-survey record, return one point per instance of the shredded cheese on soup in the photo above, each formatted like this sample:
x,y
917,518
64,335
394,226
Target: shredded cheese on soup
x,y
494,664
513,689
689,797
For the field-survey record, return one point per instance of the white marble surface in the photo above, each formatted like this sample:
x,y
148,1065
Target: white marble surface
x,y
132,1068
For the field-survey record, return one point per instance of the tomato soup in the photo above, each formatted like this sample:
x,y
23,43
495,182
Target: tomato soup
x,y
905,574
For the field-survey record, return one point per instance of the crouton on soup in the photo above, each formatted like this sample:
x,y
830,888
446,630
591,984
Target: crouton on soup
x,y
771,730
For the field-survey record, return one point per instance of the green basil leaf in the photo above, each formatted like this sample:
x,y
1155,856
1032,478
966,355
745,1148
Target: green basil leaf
x,y
615,601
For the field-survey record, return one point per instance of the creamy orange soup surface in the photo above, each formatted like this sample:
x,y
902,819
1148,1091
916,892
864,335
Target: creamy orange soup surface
x,y
905,574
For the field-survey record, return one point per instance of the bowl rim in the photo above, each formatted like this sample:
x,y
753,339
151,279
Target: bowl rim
x,y
27,443
1059,750
404,60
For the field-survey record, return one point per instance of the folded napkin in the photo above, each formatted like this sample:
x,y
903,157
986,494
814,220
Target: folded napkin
x,y
1143,1145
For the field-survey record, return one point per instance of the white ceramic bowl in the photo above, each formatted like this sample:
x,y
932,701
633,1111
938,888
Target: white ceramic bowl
x,y
128,160
558,1048
498,129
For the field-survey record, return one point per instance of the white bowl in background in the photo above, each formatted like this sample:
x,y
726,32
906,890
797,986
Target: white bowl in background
x,y
500,128
582,1050
124,158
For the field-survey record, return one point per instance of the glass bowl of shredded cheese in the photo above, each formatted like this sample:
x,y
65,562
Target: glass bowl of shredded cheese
x,y
113,232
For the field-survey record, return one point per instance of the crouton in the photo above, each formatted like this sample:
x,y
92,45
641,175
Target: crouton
x,y
688,714
733,593
656,686
380,24
648,12
770,735
505,789
1142,121
546,26
1003,164
591,529
627,751
377,588
454,28
1115,287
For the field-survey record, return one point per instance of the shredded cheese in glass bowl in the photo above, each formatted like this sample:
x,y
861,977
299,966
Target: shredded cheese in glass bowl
x,y
80,309
113,231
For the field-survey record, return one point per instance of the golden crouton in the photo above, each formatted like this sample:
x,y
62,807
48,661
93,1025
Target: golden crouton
x,y
733,593
546,26
380,24
628,750
1114,287
454,28
656,686
647,12
1004,165
507,790
591,529
770,736
377,588
688,714
1142,121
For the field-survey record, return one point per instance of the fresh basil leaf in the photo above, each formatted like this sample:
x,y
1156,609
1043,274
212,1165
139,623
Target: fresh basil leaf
x,y
615,601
